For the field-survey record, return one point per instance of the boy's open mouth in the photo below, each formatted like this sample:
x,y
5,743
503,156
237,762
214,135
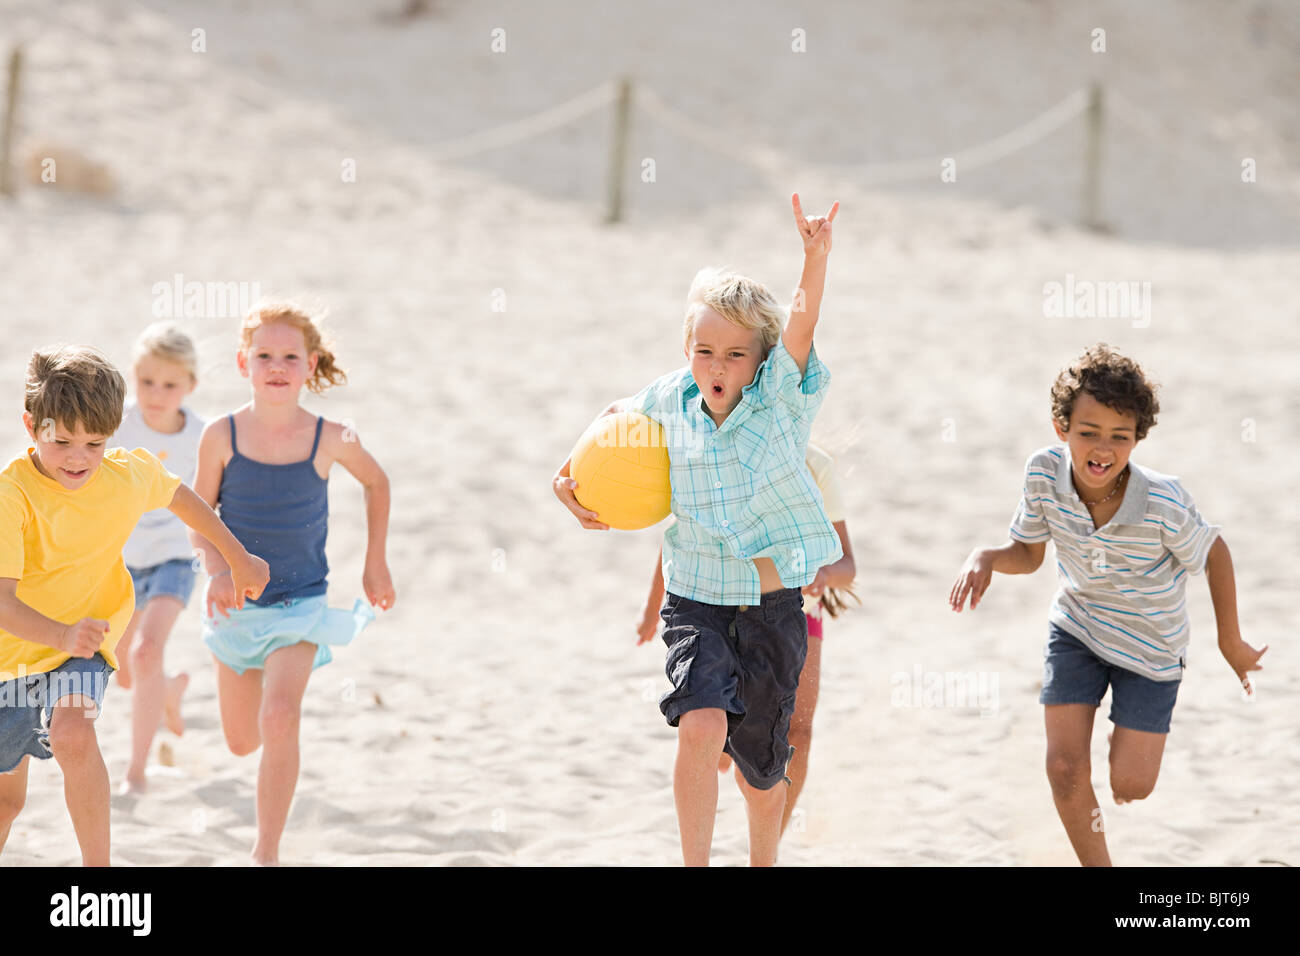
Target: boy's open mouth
x,y
1097,469
76,474
717,389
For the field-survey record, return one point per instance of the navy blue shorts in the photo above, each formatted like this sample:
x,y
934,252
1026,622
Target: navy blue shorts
x,y
743,660
1073,674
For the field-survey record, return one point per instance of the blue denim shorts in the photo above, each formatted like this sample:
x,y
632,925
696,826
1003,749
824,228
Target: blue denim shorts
x,y
174,578
1073,674
745,661
27,704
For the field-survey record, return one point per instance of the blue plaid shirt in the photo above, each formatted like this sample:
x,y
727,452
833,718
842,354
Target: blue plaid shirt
x,y
742,491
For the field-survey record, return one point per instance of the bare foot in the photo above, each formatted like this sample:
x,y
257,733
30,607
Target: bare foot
x,y
132,787
166,758
264,859
172,703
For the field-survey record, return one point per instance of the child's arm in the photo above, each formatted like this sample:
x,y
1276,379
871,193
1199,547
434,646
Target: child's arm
x,y
249,573
562,484
816,233
650,616
346,449
1014,557
841,573
1241,657
81,639
221,593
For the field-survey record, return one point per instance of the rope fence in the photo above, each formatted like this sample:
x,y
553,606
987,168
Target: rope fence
x,y
1090,102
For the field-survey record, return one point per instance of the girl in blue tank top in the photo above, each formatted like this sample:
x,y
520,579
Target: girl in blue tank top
x,y
264,468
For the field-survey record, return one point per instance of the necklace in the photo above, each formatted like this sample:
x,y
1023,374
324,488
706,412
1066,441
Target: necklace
x,y
1123,480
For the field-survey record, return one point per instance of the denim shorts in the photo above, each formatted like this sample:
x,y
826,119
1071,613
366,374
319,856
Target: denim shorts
x,y
27,704
174,578
1073,674
743,660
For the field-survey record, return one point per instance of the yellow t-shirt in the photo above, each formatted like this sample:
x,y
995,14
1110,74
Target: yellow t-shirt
x,y
65,547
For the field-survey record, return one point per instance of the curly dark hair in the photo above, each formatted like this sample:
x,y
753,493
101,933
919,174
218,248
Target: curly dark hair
x,y
1114,380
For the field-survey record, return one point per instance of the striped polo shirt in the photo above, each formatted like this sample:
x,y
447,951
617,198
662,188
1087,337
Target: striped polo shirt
x,y
742,491
1122,586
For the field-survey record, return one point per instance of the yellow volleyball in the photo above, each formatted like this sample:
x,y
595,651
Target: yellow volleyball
x,y
621,466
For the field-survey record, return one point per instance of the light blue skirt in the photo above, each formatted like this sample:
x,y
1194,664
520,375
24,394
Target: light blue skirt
x,y
249,636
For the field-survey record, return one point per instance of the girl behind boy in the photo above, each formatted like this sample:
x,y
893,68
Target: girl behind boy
x,y
158,554
266,467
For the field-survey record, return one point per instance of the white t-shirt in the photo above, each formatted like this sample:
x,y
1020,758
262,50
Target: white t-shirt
x,y
160,536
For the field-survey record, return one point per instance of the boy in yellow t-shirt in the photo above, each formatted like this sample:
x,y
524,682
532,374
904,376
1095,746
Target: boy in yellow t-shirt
x,y
67,508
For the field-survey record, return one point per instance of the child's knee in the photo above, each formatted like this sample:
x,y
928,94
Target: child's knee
x,y
241,744
72,734
1126,787
146,654
701,729
1066,770
279,718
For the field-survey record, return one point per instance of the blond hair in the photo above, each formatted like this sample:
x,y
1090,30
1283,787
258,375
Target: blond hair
x,y
169,342
71,385
327,371
739,300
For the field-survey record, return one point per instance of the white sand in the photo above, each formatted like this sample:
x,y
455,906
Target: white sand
x,y
504,716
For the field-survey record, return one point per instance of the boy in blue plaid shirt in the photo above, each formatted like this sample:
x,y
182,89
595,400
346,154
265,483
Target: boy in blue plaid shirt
x,y
751,531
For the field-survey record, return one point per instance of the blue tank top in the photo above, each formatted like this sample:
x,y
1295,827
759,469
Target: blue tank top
x,y
279,513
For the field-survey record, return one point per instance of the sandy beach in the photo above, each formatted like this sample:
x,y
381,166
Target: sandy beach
x,y
500,713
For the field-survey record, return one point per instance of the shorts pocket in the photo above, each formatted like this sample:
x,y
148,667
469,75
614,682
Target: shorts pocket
x,y
671,601
682,647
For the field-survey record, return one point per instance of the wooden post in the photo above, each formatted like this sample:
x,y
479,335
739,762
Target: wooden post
x,y
7,131
1092,160
618,151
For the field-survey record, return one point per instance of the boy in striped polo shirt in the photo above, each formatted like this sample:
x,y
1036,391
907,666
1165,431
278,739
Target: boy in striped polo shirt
x,y
751,531
1127,540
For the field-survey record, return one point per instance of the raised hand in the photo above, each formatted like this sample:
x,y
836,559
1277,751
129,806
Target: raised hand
x,y
816,232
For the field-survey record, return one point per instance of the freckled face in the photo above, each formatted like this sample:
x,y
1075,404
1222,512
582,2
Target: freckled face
x,y
724,359
69,457
1100,440
277,363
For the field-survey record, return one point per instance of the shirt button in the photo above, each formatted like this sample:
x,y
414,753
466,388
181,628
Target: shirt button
x,y
717,484
741,554
725,522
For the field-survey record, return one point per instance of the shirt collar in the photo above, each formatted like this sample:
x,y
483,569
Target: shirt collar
x,y
1132,508
692,400
751,448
